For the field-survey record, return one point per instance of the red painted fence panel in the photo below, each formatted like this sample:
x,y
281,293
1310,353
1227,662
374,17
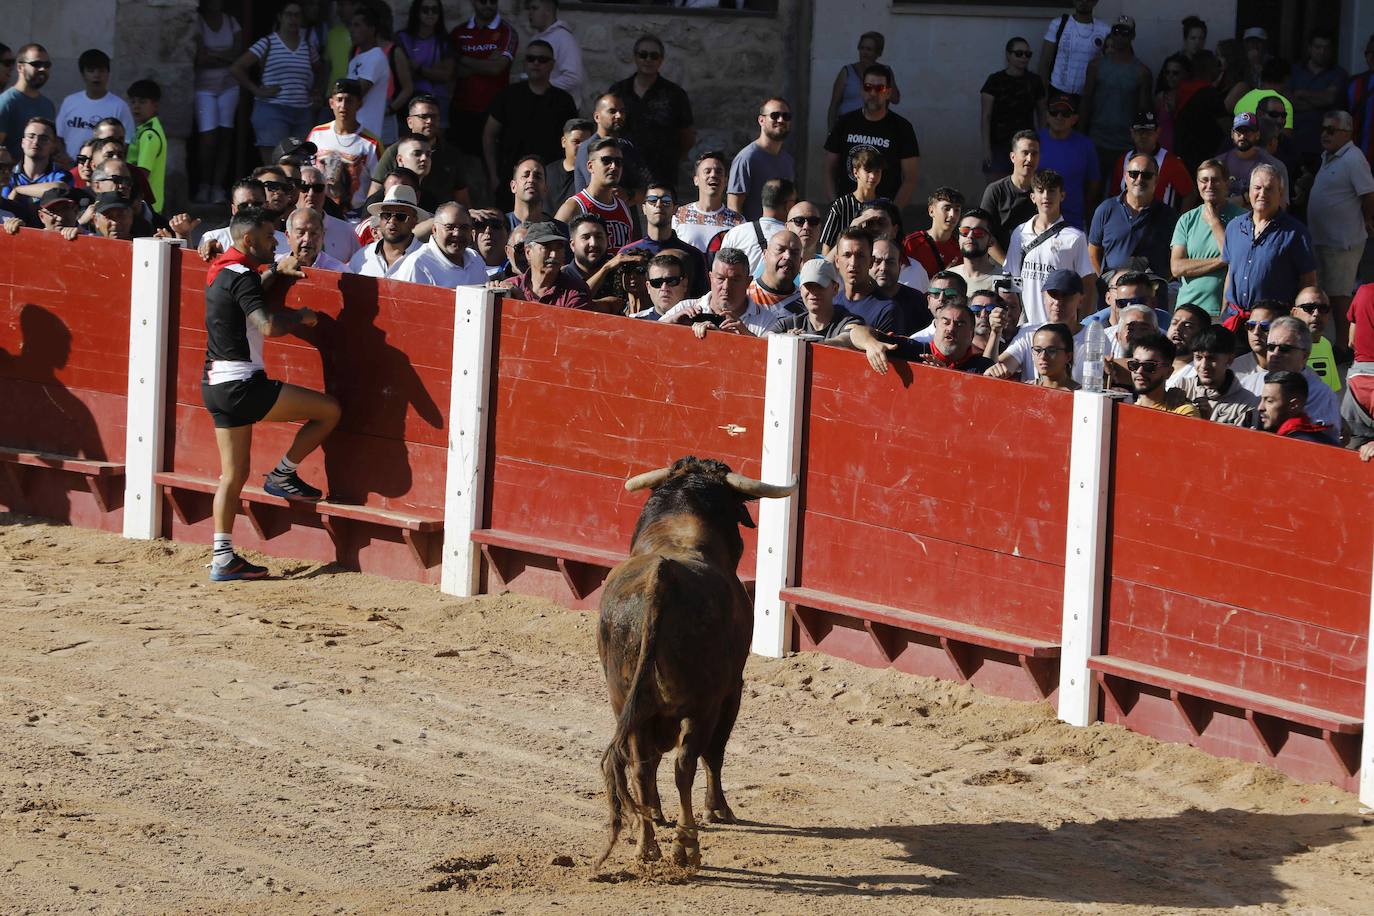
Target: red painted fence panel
x,y
64,345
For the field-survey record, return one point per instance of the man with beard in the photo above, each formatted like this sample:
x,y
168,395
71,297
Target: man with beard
x,y
776,288
305,232
1241,160
1186,323
528,189
706,217
950,347
1150,364
447,259
398,214
875,126
762,160
1282,409
910,311
23,100
979,269
245,194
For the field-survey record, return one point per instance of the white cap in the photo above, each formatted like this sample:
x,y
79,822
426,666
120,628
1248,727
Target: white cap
x,y
1255,32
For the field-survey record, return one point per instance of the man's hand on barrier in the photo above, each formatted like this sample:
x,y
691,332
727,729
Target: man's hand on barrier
x,y
877,351
290,266
998,370
182,225
209,250
1367,451
70,233
13,225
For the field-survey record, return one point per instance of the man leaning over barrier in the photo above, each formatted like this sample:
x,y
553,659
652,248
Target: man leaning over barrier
x,y
236,389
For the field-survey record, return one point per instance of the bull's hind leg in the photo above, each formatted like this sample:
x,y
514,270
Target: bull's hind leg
x,y
691,741
648,788
717,810
644,770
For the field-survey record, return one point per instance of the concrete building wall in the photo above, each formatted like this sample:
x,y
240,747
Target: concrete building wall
x,y
942,54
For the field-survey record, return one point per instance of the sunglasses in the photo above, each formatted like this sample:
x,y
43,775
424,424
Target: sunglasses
x,y
1061,112
943,293
977,232
1316,308
609,161
660,282
1024,55
1257,325
648,55
1140,174
1281,348
38,64
805,220
1140,365
1134,300
121,182
665,199
1050,351
538,59
82,160
389,216
779,115
315,188
875,88
980,309
276,186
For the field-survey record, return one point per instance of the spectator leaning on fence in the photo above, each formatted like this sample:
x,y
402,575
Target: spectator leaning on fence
x,y
305,233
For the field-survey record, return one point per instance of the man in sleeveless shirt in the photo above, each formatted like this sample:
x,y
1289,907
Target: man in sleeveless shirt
x,y
607,163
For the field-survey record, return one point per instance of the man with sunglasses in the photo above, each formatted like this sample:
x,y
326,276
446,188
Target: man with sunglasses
x,y
706,217
877,127
762,161
398,214
1133,229
1173,186
1313,308
1068,152
607,161
1150,364
244,195
667,286
23,101
660,203
526,118
1340,213
569,74
1287,346
658,111
445,177
340,242
977,266
804,220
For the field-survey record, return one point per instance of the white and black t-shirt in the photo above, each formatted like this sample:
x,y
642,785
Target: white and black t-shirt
x,y
233,345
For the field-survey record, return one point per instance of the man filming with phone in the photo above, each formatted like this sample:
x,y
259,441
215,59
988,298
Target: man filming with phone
x,y
727,307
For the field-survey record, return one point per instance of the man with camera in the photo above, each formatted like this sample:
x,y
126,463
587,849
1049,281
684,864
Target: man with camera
x,y
727,307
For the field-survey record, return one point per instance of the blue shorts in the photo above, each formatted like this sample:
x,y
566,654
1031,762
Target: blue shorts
x,y
273,123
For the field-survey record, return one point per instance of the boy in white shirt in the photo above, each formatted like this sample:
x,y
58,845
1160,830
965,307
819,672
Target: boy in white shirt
x,y
82,111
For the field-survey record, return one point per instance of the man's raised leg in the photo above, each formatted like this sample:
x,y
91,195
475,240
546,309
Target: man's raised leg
x,y
321,414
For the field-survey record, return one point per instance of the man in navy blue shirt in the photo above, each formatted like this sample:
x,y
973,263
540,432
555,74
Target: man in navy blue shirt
x,y
1133,229
1268,253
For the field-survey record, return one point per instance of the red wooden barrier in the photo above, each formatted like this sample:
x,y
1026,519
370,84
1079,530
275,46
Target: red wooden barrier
x,y
581,401
932,536
64,344
385,350
1238,610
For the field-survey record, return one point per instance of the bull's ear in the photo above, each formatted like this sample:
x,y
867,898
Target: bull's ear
x,y
745,518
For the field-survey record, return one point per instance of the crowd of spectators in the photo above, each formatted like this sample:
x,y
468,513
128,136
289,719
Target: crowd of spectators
x,y
1209,215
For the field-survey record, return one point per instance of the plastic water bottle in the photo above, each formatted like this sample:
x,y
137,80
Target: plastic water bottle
x,y
1093,351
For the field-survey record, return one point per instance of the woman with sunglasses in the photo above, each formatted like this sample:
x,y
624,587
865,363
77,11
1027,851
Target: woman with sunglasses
x,y
1013,100
426,43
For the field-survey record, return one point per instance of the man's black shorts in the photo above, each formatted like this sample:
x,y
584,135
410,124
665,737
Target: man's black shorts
x,y
240,403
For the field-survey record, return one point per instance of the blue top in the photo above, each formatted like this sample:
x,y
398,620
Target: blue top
x,y
1075,158
1267,267
1123,235
873,311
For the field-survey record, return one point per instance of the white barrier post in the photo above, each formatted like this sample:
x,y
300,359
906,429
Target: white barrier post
x,y
150,286
1085,546
466,483
782,440
1367,742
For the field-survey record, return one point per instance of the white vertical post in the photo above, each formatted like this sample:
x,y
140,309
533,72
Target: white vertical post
x,y
150,287
466,483
782,441
1085,547
1367,742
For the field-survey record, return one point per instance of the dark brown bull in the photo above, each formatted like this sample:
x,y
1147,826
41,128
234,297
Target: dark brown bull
x,y
675,629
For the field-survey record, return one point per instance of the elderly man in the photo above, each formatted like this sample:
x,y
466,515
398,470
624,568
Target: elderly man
x,y
1212,387
854,259
398,213
727,307
1282,403
950,347
113,217
1313,308
339,240
660,203
546,281
667,286
1173,185
1287,347
1268,253
1151,362
911,311
823,319
447,259
977,266
57,213
1133,229
1340,212
305,233
776,288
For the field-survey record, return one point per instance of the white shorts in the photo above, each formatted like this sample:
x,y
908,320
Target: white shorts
x,y
216,109
1337,268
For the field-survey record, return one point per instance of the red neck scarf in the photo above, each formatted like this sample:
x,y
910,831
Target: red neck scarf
x,y
232,256
1302,423
950,362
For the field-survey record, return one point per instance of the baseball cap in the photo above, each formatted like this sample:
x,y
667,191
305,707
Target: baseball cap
x,y
1255,32
543,233
54,196
1124,25
1063,100
1063,281
294,148
351,86
819,270
110,200
1246,120
1145,120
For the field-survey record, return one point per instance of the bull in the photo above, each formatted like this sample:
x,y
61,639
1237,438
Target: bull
x,y
673,637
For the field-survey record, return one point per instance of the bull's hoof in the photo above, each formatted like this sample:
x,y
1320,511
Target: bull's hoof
x,y
649,852
659,819
720,815
685,856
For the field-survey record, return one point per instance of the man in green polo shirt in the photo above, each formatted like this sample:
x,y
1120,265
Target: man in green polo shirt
x,y
1195,250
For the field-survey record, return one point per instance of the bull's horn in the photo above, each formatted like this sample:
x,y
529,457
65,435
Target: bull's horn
x,y
648,480
757,488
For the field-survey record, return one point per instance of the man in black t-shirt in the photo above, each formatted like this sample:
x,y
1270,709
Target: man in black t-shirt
x,y
235,387
525,117
659,112
874,126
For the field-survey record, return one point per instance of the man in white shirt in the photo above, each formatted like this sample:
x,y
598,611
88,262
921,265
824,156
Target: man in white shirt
x,y
779,194
1072,41
398,215
727,307
244,194
370,68
698,222
447,259
339,241
1288,344
81,111
346,140
1063,297
1045,243
305,232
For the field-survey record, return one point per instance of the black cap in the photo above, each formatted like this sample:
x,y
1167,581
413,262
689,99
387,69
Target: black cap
x,y
1062,100
55,195
110,200
1145,120
352,87
294,148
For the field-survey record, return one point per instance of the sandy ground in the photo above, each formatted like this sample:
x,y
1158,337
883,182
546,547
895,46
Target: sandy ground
x,y
336,743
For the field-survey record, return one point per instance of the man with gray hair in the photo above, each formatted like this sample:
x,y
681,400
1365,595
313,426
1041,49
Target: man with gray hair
x,y
1340,212
1288,345
305,234
447,259
727,307
1268,253
340,241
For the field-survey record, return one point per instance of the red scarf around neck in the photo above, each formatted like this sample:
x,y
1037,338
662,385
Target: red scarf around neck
x,y
232,256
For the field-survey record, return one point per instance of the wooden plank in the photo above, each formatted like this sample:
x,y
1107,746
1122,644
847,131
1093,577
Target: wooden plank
x,y
424,523
62,463
548,547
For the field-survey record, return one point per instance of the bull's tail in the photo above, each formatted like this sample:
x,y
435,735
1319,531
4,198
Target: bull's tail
x,y
615,761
